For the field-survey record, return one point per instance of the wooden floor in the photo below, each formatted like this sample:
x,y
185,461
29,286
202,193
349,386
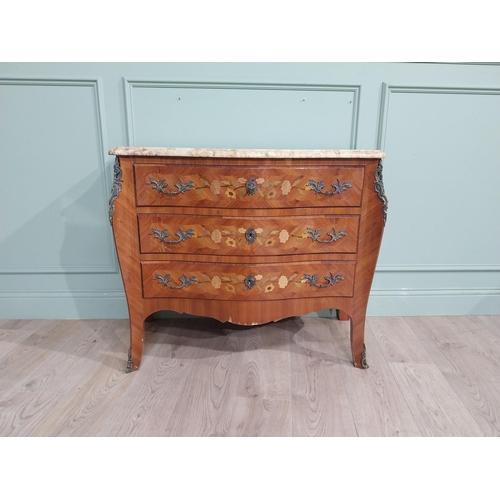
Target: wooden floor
x,y
428,376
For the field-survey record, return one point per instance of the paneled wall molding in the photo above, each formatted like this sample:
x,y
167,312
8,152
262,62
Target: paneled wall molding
x,y
387,91
438,268
433,292
434,302
97,85
130,84
64,294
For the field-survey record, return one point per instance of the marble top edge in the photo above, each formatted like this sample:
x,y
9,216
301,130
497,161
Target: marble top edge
x,y
247,153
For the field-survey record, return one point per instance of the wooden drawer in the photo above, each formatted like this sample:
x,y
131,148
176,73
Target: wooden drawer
x,y
247,281
248,187
250,236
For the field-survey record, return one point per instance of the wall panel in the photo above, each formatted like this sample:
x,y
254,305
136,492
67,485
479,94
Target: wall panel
x,y
236,115
54,185
443,149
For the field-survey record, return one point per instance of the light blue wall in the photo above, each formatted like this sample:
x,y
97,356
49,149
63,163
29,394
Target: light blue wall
x,y
438,123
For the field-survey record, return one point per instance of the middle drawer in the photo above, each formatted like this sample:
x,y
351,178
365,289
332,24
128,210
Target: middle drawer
x,y
238,236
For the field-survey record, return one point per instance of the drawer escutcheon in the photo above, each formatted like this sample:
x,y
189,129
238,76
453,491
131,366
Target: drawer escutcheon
x,y
251,186
250,235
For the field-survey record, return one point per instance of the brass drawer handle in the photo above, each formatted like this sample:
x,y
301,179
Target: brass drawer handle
x,y
330,280
318,186
164,234
161,186
314,234
185,281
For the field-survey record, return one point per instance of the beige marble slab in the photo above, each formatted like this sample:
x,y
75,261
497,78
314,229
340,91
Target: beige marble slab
x,y
248,153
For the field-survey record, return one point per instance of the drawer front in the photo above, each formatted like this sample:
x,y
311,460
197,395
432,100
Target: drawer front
x,y
254,236
247,281
248,187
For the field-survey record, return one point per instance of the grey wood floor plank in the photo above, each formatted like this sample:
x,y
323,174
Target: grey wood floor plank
x,y
94,394
265,362
210,387
465,331
491,322
10,339
433,376
434,404
22,412
375,398
476,383
66,366
150,396
33,352
320,405
257,417
397,341
483,336
26,324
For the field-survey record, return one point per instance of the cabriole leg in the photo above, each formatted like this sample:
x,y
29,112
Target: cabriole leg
x,y
136,342
358,347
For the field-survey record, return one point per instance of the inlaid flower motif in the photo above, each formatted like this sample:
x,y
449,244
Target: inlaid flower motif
x,y
259,230
230,287
308,187
241,180
284,236
215,187
271,193
231,242
286,187
258,277
216,236
216,282
230,193
242,230
305,235
283,282
260,180
269,242
269,288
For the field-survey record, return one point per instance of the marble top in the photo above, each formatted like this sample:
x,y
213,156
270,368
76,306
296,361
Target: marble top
x,y
248,153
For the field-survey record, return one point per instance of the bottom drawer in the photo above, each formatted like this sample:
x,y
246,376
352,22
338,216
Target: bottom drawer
x,y
247,281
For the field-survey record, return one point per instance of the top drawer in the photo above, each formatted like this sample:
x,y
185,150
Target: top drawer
x,y
248,187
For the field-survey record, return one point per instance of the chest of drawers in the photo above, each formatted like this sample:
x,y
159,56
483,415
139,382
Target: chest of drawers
x,y
247,236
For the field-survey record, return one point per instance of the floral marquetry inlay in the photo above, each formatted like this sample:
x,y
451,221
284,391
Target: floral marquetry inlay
x,y
237,188
242,186
240,283
269,237
266,284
